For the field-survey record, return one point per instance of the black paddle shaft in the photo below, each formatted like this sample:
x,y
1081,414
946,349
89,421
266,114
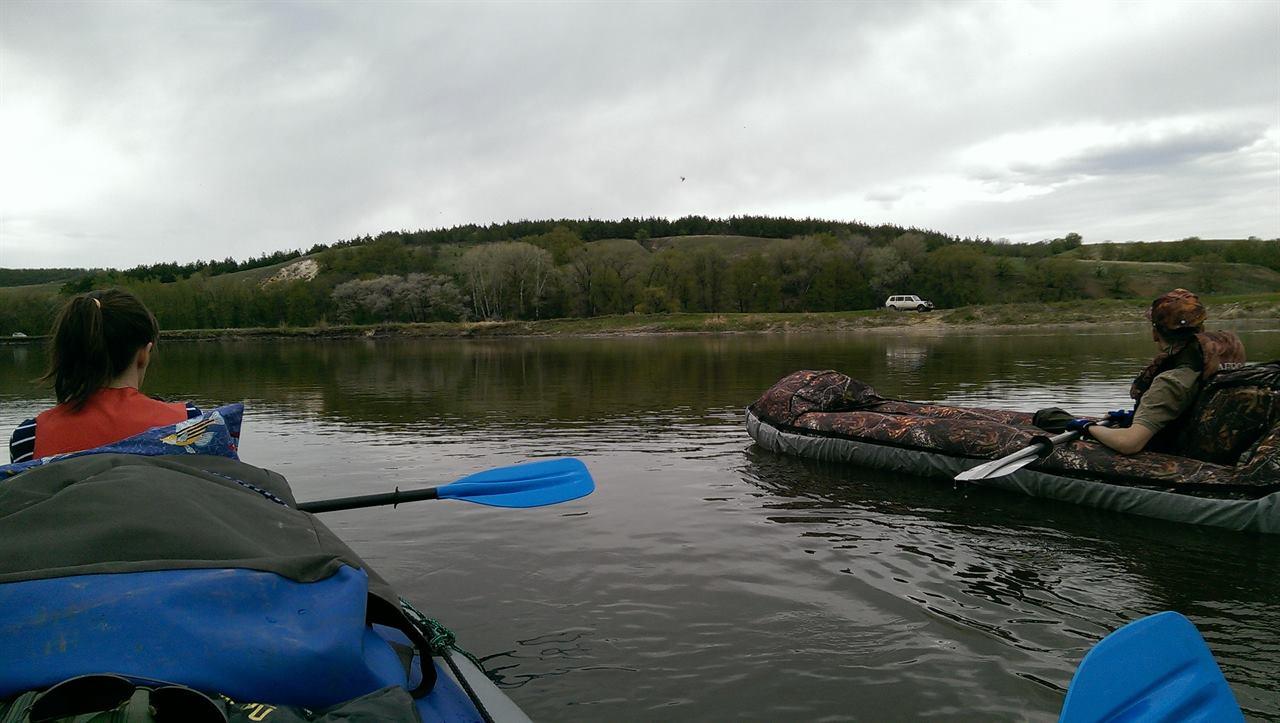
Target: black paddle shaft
x,y
378,500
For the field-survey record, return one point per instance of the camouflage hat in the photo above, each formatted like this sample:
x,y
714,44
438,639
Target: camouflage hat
x,y
1178,309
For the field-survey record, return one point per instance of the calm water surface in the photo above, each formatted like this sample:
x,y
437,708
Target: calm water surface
x,y
709,580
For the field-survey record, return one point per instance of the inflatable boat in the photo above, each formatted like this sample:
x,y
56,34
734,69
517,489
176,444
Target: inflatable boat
x,y
1234,484
161,576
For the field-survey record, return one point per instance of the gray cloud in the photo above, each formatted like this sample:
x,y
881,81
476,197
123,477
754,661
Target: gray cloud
x,y
1222,196
1146,153
233,128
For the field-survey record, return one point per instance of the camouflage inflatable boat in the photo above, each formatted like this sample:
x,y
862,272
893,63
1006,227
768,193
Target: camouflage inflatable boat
x,y
1232,480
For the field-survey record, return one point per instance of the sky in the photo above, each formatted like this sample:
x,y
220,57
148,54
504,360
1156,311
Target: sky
x,y
139,132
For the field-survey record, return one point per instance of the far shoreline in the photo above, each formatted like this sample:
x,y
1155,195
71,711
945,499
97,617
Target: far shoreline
x,y
1010,317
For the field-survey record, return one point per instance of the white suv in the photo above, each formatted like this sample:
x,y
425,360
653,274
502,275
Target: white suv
x,y
907,303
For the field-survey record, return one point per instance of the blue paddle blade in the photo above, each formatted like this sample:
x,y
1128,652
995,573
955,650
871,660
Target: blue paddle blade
x,y
1154,669
532,484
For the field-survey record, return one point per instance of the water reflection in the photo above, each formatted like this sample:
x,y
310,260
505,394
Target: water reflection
x,y
398,385
706,579
907,355
1043,578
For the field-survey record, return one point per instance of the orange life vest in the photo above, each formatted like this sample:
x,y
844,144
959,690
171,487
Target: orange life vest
x,y
109,415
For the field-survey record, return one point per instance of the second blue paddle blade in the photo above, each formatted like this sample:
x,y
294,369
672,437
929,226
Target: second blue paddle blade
x,y
532,484
1154,669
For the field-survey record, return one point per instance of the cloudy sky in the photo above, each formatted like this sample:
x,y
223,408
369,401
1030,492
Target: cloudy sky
x,y
136,132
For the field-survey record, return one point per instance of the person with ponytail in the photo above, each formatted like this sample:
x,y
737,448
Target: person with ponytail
x,y
101,346
1165,391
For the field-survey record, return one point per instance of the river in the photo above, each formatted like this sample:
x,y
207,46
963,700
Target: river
x,y
709,580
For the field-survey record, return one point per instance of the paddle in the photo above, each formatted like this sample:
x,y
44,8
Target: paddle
x,y
532,484
1157,668
1013,462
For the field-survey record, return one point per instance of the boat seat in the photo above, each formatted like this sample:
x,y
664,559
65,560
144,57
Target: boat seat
x,y
1236,410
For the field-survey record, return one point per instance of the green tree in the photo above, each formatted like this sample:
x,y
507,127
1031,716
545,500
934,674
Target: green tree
x,y
656,300
889,272
506,280
708,279
958,276
28,312
1205,270
1055,280
606,277
560,241
753,285
911,248
796,262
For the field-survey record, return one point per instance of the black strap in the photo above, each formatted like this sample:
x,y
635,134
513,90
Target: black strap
x,y
384,612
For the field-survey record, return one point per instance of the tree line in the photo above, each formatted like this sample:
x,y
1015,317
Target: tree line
x,y
555,272
1241,251
473,234
170,271
26,277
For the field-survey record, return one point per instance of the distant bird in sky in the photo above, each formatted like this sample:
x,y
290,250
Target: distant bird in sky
x,y
682,179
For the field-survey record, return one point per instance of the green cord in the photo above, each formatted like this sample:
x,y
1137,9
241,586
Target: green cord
x,y
440,638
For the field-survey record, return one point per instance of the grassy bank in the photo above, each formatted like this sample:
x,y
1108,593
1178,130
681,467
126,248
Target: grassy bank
x,y
1106,311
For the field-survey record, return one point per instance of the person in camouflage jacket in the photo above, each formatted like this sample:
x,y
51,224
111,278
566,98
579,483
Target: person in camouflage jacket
x,y
1165,391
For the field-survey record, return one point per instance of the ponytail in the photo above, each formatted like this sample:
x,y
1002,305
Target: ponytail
x,y
96,337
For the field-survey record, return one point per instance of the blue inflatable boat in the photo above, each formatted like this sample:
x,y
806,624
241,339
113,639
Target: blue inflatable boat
x,y
161,576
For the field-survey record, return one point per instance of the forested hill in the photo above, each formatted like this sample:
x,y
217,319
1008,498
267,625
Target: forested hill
x,y
575,268
471,234
29,277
